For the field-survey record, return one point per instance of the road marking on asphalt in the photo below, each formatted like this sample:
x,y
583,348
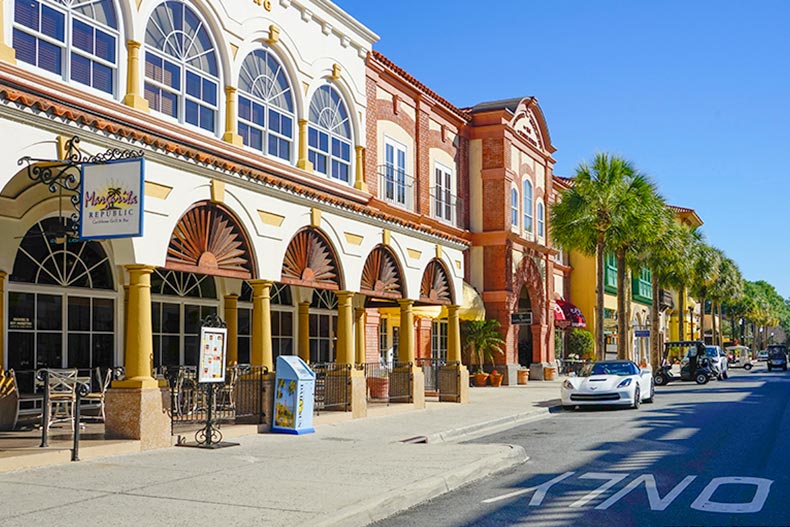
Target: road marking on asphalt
x,y
678,434
540,493
704,503
657,503
611,478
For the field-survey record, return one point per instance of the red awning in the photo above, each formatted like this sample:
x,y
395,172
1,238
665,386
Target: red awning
x,y
572,314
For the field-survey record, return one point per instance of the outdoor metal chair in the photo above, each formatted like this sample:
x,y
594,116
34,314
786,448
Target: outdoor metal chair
x,y
98,397
62,395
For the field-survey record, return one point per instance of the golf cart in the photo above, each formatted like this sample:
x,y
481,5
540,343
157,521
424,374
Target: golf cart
x,y
739,357
694,365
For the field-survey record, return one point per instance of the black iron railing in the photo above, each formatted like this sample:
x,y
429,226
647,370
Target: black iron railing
x,y
447,207
430,369
332,386
449,381
238,400
396,186
388,382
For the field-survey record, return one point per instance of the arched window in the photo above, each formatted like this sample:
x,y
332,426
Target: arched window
x,y
61,304
329,135
180,302
541,220
514,207
181,71
266,114
77,39
527,195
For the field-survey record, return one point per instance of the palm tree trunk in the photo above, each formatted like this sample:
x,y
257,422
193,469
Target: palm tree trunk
x,y
655,323
701,319
714,326
681,312
600,338
622,302
721,323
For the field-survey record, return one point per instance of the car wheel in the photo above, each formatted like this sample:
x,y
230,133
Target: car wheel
x,y
769,368
747,367
725,375
701,378
659,380
637,399
652,393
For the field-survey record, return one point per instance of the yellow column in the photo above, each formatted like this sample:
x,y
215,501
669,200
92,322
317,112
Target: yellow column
x,y
7,53
3,275
359,182
344,353
304,331
406,343
261,352
360,334
232,320
230,135
133,97
453,335
303,162
139,346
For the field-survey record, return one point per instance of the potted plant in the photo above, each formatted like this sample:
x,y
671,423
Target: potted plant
x,y
496,378
483,339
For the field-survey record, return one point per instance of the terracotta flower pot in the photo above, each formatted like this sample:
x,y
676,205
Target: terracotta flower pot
x,y
379,387
522,376
480,379
496,380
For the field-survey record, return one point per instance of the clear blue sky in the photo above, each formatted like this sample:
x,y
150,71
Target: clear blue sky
x,y
695,93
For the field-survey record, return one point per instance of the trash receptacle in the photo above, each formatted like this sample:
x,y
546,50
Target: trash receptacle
x,y
294,396
549,373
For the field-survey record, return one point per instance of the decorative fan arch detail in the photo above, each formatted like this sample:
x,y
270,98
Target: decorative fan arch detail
x,y
310,260
435,286
208,240
381,275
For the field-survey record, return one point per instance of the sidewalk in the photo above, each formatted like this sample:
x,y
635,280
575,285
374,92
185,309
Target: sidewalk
x,y
350,472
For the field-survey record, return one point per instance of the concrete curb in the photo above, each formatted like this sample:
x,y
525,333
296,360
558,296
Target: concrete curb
x,y
375,509
487,427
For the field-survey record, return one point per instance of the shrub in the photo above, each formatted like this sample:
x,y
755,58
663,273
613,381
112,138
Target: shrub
x,y
581,342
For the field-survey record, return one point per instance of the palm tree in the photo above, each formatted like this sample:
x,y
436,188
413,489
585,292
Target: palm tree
x,y
707,261
727,289
667,258
629,239
590,211
483,339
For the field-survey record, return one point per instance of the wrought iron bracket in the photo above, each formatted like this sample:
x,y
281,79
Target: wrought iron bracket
x,y
64,175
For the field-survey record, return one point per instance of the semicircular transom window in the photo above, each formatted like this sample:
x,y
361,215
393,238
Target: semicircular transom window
x,y
181,69
435,286
310,260
329,135
77,39
187,285
48,256
381,275
208,240
266,115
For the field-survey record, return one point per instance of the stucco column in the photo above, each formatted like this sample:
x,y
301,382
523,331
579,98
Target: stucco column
x,y
3,276
303,162
7,53
406,344
359,332
139,345
359,182
230,135
344,353
261,348
232,320
133,96
453,335
304,331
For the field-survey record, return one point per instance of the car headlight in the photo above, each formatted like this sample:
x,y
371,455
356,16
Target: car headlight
x,y
568,385
624,383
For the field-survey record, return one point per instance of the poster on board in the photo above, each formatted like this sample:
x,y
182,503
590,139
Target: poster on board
x,y
213,345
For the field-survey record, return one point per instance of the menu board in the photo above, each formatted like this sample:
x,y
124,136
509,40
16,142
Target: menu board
x,y
213,342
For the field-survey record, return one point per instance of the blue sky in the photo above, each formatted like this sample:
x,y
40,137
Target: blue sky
x,y
695,93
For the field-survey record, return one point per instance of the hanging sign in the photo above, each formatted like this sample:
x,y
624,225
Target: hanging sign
x,y
111,199
213,345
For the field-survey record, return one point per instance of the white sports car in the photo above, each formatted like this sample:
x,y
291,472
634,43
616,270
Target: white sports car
x,y
619,382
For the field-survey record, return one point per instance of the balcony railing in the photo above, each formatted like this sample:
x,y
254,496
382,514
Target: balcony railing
x,y
447,207
396,186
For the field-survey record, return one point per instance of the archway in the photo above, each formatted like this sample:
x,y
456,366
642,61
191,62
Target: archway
x,y
311,261
436,287
528,287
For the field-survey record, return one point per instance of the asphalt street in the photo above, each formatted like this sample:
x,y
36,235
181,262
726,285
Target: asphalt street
x,y
710,455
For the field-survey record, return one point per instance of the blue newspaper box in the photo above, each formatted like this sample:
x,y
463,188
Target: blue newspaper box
x,y
294,396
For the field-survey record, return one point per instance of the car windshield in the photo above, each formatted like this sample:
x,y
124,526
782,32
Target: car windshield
x,y
620,369
711,352
776,354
